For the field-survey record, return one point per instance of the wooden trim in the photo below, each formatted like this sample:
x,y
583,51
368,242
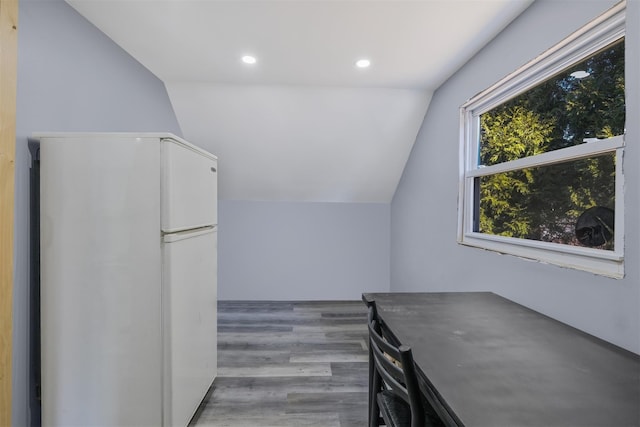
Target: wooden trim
x,y
8,78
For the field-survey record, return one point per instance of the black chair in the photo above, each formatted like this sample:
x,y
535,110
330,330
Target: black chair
x,y
394,391
371,316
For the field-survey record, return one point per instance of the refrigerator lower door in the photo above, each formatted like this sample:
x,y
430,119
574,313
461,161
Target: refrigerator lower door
x,y
190,321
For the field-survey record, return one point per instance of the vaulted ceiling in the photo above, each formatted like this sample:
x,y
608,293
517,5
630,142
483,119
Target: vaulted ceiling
x,y
303,123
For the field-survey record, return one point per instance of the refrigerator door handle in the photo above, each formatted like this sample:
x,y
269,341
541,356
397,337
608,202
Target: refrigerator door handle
x,y
187,234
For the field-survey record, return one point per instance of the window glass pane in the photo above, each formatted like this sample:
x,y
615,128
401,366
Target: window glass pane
x,y
570,203
584,102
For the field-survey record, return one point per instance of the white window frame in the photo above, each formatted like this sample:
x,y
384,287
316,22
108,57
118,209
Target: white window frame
x,y
601,32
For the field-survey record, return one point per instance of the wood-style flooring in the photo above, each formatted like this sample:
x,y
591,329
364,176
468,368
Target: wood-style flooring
x,y
289,364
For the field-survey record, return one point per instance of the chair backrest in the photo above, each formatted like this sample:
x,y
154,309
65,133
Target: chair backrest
x,y
396,369
371,315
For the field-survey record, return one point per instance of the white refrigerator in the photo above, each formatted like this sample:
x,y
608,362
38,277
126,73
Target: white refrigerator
x,y
128,278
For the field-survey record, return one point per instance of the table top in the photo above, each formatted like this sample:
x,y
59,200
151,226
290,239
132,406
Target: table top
x,y
491,362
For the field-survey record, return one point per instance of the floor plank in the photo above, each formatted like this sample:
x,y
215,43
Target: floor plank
x,y
282,364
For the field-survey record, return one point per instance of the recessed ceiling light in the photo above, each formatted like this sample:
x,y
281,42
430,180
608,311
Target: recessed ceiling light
x,y
363,63
248,59
580,74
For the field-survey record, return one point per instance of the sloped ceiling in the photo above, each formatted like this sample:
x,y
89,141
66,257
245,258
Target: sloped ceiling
x,y
303,123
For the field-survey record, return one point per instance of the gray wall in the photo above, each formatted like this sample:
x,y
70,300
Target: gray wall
x,y
71,77
424,252
302,251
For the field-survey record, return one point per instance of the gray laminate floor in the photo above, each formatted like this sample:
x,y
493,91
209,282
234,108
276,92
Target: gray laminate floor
x,y
289,364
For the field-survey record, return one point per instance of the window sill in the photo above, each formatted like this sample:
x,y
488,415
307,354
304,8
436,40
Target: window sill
x,y
596,261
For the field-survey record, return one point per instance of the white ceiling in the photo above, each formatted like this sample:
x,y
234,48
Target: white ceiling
x,y
302,124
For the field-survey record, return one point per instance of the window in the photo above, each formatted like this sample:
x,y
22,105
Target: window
x,y
541,155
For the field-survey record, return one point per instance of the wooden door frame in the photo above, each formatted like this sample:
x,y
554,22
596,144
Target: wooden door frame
x,y
8,79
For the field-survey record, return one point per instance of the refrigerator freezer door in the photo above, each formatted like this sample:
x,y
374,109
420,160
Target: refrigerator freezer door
x,y
189,193
190,318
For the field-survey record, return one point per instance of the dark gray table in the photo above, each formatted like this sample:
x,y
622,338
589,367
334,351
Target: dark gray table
x,y
486,361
